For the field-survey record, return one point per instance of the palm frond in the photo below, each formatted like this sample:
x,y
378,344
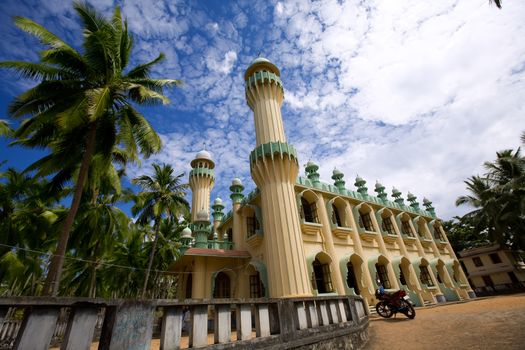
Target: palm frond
x,y
142,133
91,19
45,36
36,71
143,71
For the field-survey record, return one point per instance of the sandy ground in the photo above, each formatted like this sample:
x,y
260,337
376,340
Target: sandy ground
x,y
488,323
481,324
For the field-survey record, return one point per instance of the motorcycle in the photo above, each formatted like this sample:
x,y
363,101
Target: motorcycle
x,y
391,303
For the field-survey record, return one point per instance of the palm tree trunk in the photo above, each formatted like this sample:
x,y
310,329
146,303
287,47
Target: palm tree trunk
x,y
151,255
57,261
94,264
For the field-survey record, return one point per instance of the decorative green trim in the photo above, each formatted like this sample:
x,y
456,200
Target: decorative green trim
x,y
270,149
305,182
261,77
202,171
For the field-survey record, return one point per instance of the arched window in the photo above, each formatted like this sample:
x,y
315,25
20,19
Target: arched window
x,y
222,286
189,285
406,228
229,235
402,279
365,221
438,233
309,211
388,227
252,225
382,274
351,280
323,281
256,286
336,218
425,275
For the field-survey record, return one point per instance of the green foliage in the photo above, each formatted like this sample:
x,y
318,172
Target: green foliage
x,y
499,200
82,111
162,196
461,234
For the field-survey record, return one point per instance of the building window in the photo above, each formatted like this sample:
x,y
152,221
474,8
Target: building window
x,y
402,279
513,277
252,225
388,227
189,285
229,235
309,211
425,275
256,286
438,233
365,221
495,258
351,280
222,286
336,218
439,278
488,281
382,274
477,261
407,230
323,281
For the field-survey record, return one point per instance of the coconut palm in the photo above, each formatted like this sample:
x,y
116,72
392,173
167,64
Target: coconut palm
x,y
99,226
499,199
29,219
162,195
84,106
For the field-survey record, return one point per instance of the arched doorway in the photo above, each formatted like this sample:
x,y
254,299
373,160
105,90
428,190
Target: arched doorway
x,y
351,279
323,280
222,286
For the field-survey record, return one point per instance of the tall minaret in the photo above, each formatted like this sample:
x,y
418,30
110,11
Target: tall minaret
x,y
274,168
202,180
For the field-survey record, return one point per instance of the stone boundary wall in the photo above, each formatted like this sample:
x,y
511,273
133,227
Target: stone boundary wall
x,y
335,322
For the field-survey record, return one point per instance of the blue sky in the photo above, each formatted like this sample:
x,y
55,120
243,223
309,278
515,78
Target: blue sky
x,y
414,94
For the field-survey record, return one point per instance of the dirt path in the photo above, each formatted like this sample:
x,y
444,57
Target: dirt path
x,y
489,323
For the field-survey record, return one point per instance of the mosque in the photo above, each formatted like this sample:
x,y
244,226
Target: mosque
x,y
296,236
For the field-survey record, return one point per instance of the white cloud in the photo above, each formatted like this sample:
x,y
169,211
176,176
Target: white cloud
x,y
416,95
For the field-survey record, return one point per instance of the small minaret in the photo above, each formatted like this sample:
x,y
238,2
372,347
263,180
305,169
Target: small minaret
x,y
274,168
202,180
337,176
217,214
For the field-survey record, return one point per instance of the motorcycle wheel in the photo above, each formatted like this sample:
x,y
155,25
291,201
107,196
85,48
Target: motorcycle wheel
x,y
409,311
383,310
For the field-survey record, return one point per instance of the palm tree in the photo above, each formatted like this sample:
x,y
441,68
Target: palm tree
x,y
162,196
499,199
99,226
29,217
83,107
